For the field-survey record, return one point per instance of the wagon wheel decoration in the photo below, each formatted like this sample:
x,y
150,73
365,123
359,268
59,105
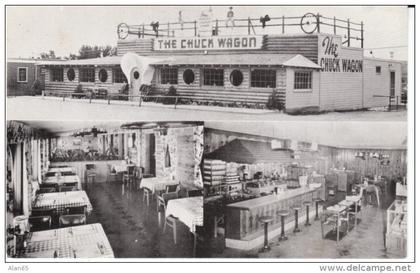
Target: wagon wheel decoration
x,y
123,30
309,23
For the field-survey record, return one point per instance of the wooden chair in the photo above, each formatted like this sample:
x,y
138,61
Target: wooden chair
x,y
129,175
39,223
194,193
146,195
67,188
72,220
171,222
77,210
112,176
46,190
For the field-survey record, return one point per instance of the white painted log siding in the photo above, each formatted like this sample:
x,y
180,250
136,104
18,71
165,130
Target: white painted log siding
x,y
379,84
300,99
342,90
228,92
67,85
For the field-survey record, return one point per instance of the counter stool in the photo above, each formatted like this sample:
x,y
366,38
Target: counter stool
x,y
265,220
283,214
317,201
296,209
146,195
307,204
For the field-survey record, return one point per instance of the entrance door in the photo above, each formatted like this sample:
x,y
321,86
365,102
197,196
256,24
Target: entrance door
x,y
150,164
392,84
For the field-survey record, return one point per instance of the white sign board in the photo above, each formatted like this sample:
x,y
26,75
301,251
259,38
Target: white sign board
x,y
332,59
208,43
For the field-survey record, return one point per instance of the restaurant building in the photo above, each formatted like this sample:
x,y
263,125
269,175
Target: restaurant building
x,y
310,72
115,183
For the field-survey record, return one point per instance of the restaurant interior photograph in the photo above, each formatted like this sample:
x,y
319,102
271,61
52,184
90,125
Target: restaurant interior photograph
x,y
305,190
104,189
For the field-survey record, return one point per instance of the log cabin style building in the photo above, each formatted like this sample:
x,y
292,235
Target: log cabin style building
x,y
310,72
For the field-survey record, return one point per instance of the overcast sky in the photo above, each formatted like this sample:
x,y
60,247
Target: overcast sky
x,y
32,30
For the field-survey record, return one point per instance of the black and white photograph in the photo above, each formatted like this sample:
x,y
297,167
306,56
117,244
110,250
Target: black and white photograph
x,y
107,190
319,190
214,134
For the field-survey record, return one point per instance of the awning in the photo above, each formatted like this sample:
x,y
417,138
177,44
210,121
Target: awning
x,y
112,60
257,59
250,152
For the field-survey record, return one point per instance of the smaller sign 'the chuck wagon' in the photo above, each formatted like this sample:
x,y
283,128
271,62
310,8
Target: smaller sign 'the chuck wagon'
x,y
209,43
333,59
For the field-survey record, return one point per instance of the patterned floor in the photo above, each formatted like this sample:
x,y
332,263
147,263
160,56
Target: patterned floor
x,y
133,228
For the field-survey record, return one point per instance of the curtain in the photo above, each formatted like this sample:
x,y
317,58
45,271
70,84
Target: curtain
x,y
198,153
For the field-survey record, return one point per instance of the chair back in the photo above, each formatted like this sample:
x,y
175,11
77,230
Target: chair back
x,y
172,188
131,169
70,184
72,220
169,196
194,193
43,212
76,210
67,188
50,174
38,223
161,203
46,190
67,173
48,185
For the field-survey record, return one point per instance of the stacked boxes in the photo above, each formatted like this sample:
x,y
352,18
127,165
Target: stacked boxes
x,y
214,172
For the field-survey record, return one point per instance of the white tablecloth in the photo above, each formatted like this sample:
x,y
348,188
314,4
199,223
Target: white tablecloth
x,y
157,183
62,179
60,170
85,241
187,210
62,200
121,167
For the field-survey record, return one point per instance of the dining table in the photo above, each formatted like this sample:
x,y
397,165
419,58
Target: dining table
x,y
84,241
60,180
188,210
62,200
157,184
334,212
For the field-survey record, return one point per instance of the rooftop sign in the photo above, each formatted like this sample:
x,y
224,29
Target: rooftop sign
x,y
208,43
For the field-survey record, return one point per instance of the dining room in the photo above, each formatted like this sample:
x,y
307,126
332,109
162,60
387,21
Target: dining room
x,y
103,190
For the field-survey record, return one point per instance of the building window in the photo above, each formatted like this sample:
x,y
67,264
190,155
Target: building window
x,y
118,76
22,74
236,77
213,77
378,70
103,75
57,74
188,76
263,78
71,75
169,76
87,74
303,80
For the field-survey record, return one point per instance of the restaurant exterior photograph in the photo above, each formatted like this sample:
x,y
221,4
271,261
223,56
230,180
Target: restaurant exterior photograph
x,y
209,133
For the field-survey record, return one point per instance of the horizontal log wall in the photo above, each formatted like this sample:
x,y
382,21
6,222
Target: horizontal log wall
x,y
70,86
227,93
306,45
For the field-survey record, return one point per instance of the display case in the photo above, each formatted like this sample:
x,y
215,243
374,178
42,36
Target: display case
x,y
396,228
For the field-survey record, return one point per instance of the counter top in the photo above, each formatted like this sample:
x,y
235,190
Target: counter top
x,y
262,201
